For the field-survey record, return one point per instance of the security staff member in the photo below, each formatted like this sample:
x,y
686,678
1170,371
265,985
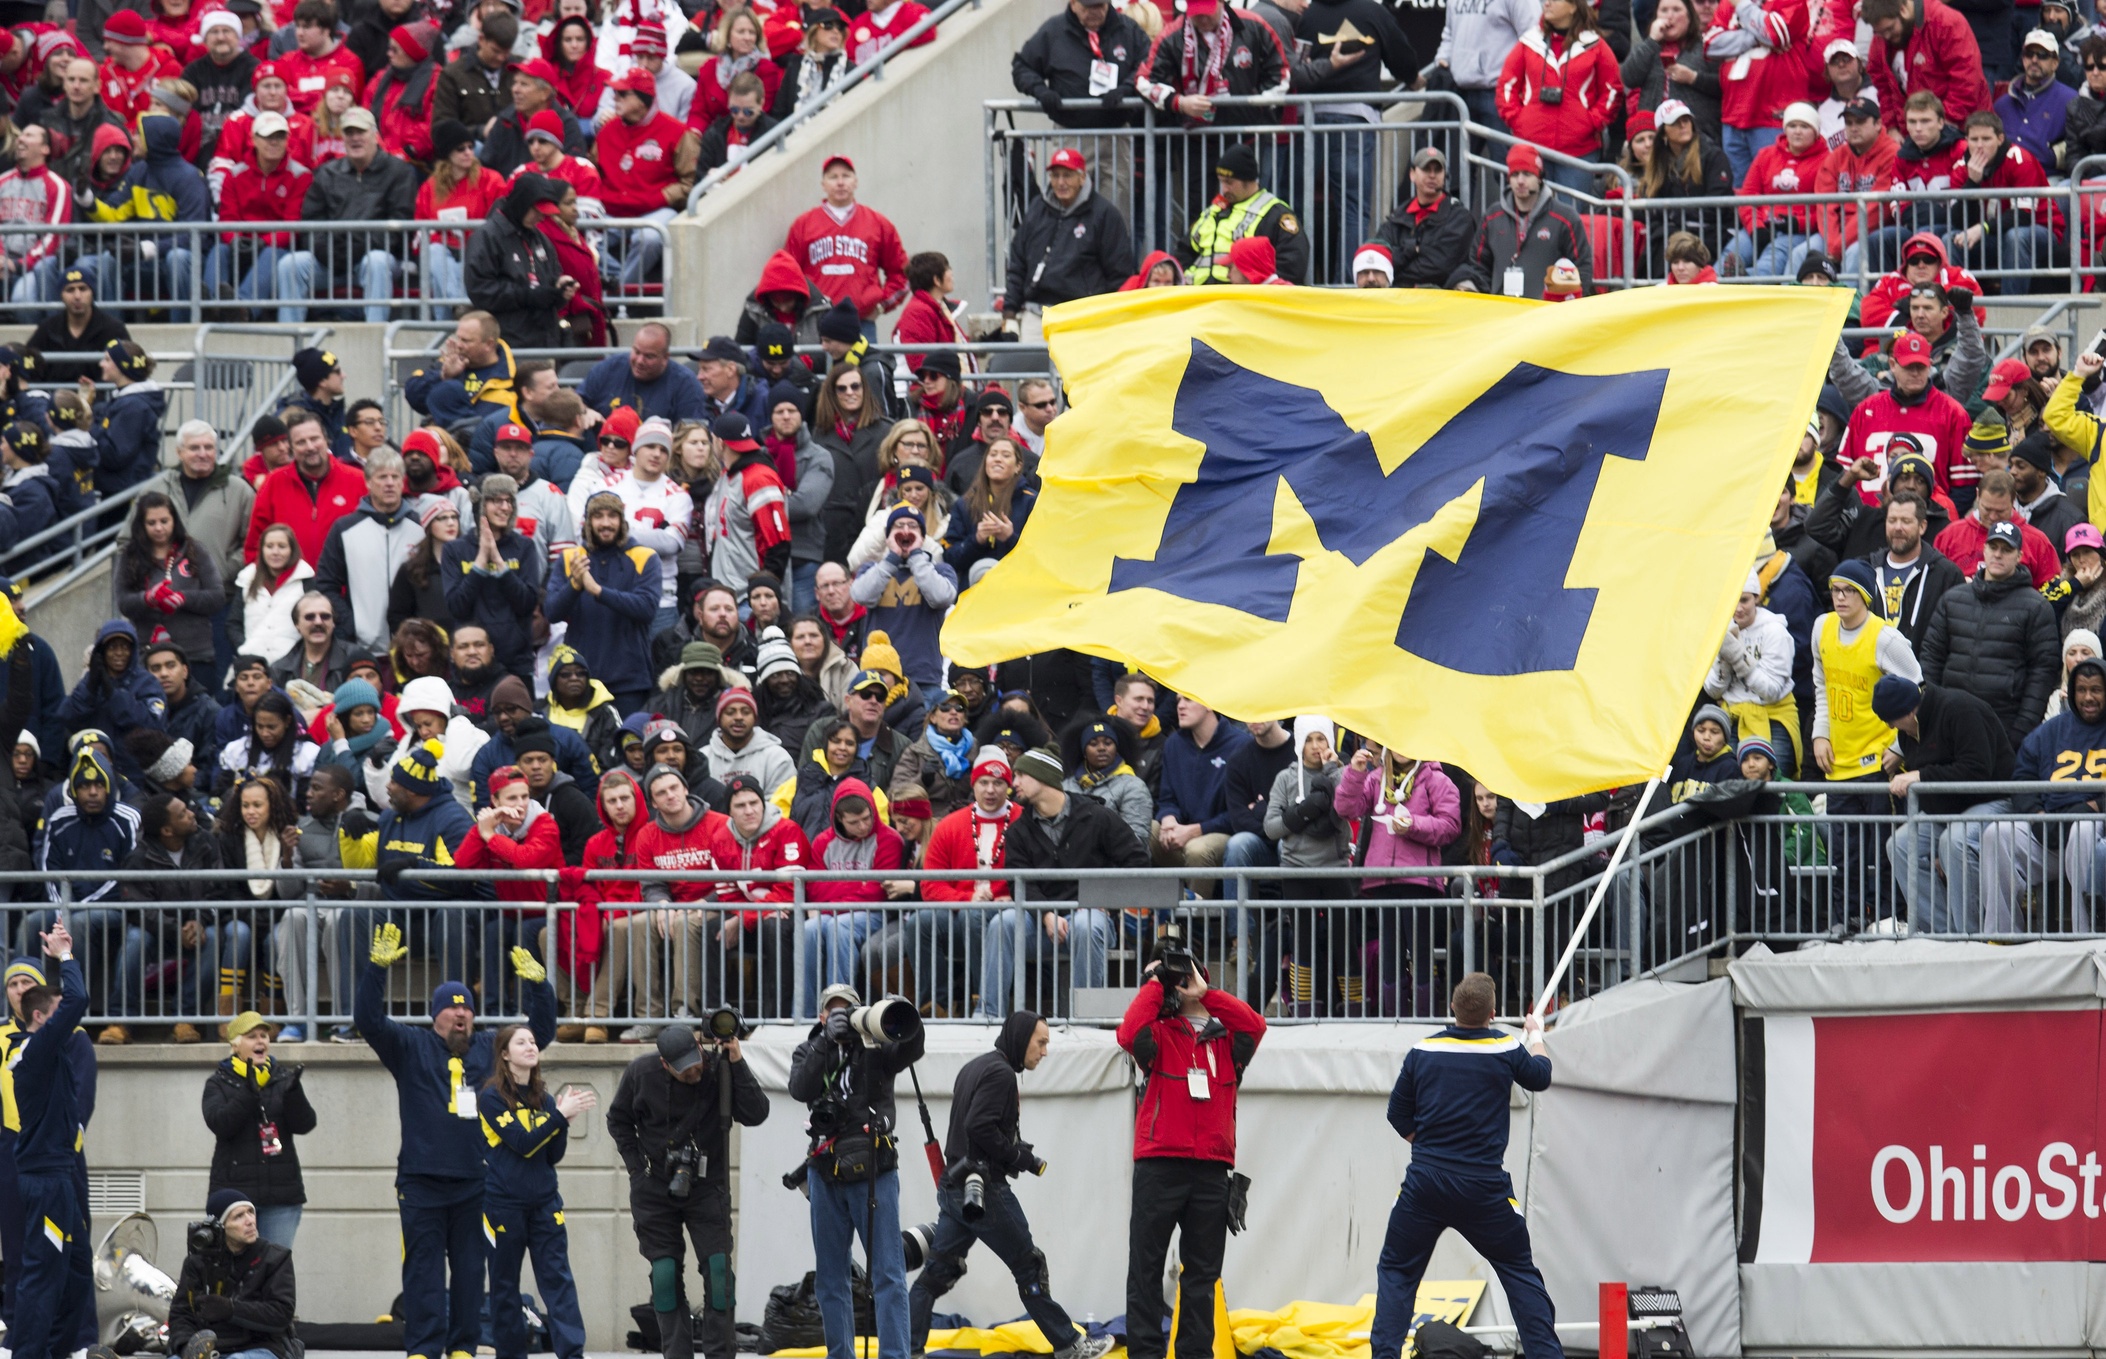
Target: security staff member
x,y
55,1280
985,1141
1450,1103
1192,1044
853,1169
1243,208
439,1170
22,975
672,1126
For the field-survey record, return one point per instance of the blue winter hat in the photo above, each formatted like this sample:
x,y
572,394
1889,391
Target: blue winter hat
x,y
417,769
1755,745
32,968
450,995
1894,697
356,693
224,1201
1858,576
900,512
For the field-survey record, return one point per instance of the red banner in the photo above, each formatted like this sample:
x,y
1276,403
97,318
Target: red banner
x,y
1957,1137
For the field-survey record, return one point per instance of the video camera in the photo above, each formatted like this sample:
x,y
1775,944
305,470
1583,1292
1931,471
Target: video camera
x,y
891,1020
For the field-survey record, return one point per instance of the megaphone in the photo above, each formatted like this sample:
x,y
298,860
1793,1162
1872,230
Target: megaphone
x,y
891,1020
132,1294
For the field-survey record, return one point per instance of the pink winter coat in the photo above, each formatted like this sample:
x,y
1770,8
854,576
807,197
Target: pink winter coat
x,y
1436,819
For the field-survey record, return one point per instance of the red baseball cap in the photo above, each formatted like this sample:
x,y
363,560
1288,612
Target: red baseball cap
x,y
539,69
513,434
837,159
1912,351
1068,158
2004,377
636,80
265,70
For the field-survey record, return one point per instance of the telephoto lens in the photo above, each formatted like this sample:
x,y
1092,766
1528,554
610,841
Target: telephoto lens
x,y
975,1206
915,1242
723,1024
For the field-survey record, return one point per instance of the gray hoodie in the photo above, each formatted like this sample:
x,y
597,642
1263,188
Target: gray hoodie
x,y
764,757
1324,840
1479,34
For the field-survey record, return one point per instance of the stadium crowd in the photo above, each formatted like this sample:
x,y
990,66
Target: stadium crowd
x,y
686,614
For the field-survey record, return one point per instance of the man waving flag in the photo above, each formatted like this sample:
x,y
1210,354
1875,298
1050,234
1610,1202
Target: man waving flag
x,y
1484,530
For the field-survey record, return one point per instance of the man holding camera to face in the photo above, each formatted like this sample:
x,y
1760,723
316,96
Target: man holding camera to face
x,y
671,1120
843,1072
983,1151
235,1299
1192,1044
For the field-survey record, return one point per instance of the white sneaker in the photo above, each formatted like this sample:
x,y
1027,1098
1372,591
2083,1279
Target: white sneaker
x,y
638,1033
1091,1348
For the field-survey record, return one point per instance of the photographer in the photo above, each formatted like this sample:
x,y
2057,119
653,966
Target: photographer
x,y
845,1078
982,1152
671,1120
1192,1044
236,1292
255,1107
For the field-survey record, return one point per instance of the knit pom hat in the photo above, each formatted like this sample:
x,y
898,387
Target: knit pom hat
x,y
774,656
992,763
417,769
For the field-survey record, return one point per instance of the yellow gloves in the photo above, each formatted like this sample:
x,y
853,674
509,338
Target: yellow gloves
x,y
526,967
388,948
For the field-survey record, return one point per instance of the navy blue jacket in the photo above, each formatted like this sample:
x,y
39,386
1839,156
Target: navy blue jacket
x,y
33,505
524,1146
1451,1097
429,836
196,720
48,1086
438,1145
75,842
47,692
133,699
675,395
1195,781
2063,749
449,401
502,603
127,430
614,628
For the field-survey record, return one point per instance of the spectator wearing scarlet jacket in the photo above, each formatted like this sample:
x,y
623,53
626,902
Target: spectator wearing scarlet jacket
x,y
1773,237
32,195
681,835
1923,260
628,936
1561,87
1924,45
514,831
649,160
461,188
884,26
1996,502
1184,1146
308,494
2035,109
579,80
1863,163
1761,53
546,157
976,836
1912,406
739,52
316,52
784,296
850,252
132,67
2023,232
237,133
757,838
269,188
399,97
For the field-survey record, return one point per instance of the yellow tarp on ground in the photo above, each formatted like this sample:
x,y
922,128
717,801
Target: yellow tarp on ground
x,y
1300,1330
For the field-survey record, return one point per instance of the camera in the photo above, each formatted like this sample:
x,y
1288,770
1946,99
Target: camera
x,y
799,1180
891,1020
917,1244
974,1196
202,1238
1552,95
723,1024
1174,962
683,1163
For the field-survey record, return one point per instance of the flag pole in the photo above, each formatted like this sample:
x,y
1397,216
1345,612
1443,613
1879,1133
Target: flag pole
x,y
1608,875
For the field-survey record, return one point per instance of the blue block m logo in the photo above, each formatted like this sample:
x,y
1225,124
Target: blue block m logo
x,y
1536,439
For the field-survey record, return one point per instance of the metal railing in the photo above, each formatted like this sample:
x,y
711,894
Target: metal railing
x,y
279,271
777,138
228,389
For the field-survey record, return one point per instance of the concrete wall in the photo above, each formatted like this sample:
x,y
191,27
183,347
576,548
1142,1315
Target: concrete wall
x,y
349,1246
916,139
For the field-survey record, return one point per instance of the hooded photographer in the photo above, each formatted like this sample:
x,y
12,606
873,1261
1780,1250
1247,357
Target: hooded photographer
x,y
853,1167
983,1151
672,1125
235,1298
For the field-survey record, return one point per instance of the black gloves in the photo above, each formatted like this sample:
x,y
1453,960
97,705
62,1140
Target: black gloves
x,y
1049,101
215,1307
389,870
1962,299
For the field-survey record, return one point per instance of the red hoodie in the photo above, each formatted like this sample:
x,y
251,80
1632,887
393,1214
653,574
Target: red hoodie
x,y
615,850
1169,1121
693,850
1845,171
1778,170
1757,84
539,847
1140,279
834,850
2011,168
1892,291
778,847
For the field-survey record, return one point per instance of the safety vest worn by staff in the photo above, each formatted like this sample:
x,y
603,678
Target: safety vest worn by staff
x,y
1221,226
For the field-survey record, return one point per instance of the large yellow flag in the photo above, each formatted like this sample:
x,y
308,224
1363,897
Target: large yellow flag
x,y
1503,533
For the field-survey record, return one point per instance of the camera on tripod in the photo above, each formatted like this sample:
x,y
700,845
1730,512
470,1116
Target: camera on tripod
x,y
721,1025
683,1163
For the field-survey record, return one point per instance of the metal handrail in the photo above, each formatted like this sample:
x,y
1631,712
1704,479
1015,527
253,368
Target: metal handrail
x,y
775,137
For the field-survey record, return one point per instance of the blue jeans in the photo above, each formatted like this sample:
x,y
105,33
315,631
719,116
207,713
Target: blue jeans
x,y
501,934
1345,164
279,1223
831,943
1572,177
37,286
443,280
1484,108
221,960
840,1213
1003,1229
632,255
665,620
259,283
165,277
1089,936
1777,259
376,281
1743,144
942,944
1853,255
804,586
